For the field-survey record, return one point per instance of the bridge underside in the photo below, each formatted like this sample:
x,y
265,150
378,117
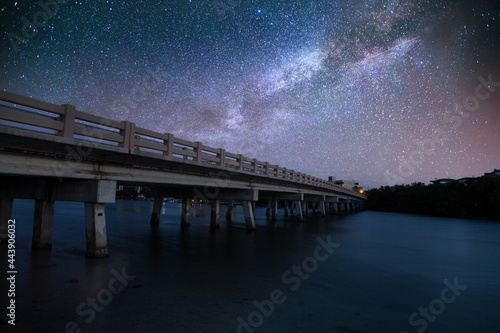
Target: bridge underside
x,y
96,193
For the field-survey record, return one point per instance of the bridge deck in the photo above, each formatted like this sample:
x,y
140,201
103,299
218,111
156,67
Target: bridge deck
x,y
50,152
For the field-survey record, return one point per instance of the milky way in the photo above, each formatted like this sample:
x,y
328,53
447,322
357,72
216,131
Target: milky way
x,y
382,92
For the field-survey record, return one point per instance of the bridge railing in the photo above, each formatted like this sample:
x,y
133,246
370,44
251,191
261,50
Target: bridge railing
x,y
65,121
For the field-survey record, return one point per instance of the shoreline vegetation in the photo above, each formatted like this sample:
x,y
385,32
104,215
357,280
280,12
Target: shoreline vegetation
x,y
466,198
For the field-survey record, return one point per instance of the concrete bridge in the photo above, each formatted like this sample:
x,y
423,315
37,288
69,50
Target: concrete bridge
x,y
55,152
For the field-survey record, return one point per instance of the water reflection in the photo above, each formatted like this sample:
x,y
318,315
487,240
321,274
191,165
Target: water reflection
x,y
198,279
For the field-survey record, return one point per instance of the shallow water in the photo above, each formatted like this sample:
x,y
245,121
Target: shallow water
x,y
383,268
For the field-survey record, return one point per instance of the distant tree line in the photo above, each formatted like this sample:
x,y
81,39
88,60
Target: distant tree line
x,y
474,197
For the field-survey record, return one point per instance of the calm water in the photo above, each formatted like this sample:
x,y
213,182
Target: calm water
x,y
385,267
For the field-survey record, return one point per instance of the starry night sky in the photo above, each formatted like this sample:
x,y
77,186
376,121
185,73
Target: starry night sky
x,y
382,92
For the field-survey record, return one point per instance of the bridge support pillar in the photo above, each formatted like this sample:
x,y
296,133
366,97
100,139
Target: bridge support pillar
x,y
274,210
298,206
215,215
286,204
95,226
5,216
348,207
321,208
155,216
42,224
305,207
186,212
341,207
335,207
229,212
268,209
249,214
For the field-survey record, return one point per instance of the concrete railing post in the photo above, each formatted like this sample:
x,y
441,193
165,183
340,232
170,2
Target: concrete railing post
x,y
198,151
68,118
128,134
170,145
240,160
222,157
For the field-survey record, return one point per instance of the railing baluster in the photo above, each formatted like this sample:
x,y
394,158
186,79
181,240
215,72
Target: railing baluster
x,y
240,160
198,151
68,118
128,134
222,157
170,145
